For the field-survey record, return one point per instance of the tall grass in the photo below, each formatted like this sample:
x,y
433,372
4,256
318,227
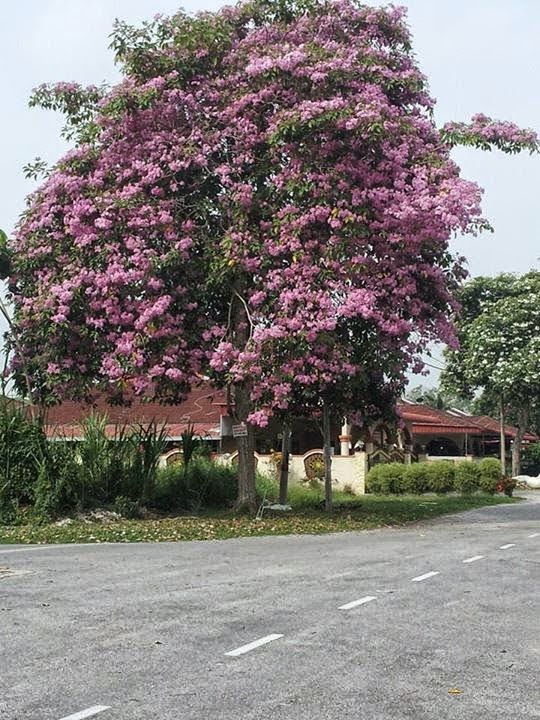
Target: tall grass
x,y
125,464
201,484
51,476
147,444
299,496
22,447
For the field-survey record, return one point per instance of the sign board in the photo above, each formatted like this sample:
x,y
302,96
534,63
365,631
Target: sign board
x,y
239,430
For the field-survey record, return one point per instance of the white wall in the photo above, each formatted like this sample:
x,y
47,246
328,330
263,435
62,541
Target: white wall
x,y
347,471
453,458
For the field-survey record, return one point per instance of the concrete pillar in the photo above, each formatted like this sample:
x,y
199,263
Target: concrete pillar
x,y
345,443
345,438
407,454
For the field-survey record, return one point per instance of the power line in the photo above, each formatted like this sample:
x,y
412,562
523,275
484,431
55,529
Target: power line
x,y
435,367
431,357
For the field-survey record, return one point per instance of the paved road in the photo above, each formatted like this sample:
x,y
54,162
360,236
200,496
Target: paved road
x,y
143,630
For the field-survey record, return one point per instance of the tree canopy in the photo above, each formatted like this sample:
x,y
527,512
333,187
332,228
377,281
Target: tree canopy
x,y
264,198
499,336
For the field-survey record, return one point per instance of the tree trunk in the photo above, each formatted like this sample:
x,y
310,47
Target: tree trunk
x,y
523,421
284,472
246,498
502,439
327,459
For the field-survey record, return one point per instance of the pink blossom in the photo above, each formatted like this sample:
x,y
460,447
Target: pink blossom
x,y
280,218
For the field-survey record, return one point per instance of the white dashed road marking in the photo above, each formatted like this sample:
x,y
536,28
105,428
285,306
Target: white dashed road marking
x,y
89,712
252,645
28,549
473,559
419,578
59,546
356,603
534,535
508,545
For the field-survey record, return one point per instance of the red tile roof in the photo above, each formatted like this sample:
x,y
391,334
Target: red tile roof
x,y
174,430
426,420
205,405
202,408
491,426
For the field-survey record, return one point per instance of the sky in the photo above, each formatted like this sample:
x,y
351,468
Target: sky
x,y
479,56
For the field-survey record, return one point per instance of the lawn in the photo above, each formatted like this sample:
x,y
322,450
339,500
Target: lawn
x,y
350,513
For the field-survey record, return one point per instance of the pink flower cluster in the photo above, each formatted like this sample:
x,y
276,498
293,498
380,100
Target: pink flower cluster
x,y
485,132
273,210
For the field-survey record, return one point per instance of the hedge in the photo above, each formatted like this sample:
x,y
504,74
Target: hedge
x,y
439,477
416,479
385,479
490,475
467,477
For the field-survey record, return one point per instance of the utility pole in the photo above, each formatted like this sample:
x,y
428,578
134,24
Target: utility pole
x,y
502,438
284,471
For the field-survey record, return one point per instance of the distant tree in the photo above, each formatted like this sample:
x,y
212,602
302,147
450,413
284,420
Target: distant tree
x,y
531,459
437,397
487,403
5,256
499,334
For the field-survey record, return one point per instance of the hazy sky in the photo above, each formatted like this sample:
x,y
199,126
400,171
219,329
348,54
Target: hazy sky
x,y
479,56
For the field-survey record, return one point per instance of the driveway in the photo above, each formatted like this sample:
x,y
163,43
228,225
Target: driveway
x,y
438,620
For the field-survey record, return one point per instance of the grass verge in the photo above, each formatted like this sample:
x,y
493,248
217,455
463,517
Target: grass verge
x,y
357,513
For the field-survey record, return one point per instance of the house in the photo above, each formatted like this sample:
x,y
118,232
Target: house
x,y
205,411
200,412
424,433
455,434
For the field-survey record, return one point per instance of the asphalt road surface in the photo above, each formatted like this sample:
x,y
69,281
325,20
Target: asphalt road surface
x,y
438,620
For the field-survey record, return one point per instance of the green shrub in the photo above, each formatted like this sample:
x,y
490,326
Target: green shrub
x,y
441,476
305,496
171,492
490,475
59,482
127,508
467,477
385,479
146,444
22,449
415,480
190,444
211,484
374,480
267,487
202,484
95,451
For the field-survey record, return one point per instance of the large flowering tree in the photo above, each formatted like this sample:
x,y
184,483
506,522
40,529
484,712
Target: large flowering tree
x,y
499,333
263,198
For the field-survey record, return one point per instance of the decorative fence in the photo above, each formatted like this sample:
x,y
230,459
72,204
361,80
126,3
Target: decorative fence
x,y
390,456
